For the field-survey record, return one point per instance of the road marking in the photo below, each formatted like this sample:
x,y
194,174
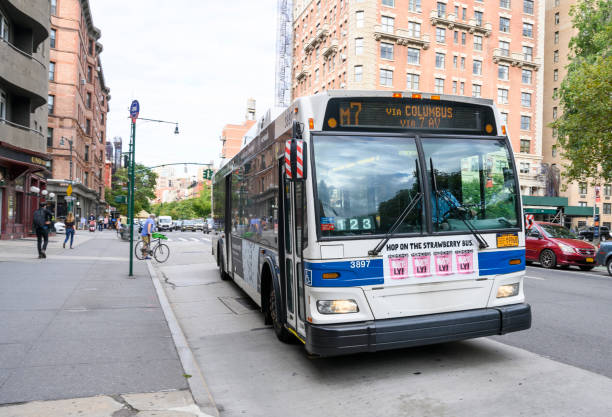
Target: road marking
x,y
182,239
195,240
538,278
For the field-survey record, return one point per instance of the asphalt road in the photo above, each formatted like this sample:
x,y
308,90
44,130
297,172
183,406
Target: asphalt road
x,y
572,317
249,372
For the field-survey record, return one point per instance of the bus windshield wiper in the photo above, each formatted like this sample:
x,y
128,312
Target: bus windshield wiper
x,y
411,205
482,244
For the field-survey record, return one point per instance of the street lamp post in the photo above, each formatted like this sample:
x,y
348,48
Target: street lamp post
x,y
70,142
134,112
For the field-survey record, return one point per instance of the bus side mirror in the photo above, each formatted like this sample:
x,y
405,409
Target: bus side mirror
x,y
295,160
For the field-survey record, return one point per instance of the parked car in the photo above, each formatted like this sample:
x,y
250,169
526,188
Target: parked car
x,y
198,224
176,225
208,226
587,233
60,227
551,244
188,225
164,223
604,256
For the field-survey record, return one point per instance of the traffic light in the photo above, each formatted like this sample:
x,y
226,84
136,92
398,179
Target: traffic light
x,y
207,174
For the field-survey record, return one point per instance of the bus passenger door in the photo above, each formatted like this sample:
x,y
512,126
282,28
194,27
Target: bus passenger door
x,y
288,249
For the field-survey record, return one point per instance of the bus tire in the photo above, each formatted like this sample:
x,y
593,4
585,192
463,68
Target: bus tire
x,y
223,275
272,316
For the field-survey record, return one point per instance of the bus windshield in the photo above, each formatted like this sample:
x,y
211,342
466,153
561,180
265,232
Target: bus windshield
x,y
363,184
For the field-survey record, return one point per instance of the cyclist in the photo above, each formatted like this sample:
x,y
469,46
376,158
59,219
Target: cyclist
x,y
147,230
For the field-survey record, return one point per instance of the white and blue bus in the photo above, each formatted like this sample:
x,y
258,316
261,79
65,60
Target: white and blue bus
x,y
367,220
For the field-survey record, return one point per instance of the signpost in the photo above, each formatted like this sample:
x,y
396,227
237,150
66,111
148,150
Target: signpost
x,y
69,190
134,112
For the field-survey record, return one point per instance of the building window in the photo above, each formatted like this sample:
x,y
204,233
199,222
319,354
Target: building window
x,y
477,43
454,87
557,18
440,60
5,28
524,167
88,101
52,38
556,37
555,92
387,24
528,6
51,104
477,67
478,18
556,74
583,188
503,72
386,50
462,62
504,48
526,76
554,132
86,155
412,82
528,30
358,73
441,7
476,90
456,36
502,96
525,145
462,88
386,77
504,118
51,70
504,3
316,75
358,46
527,53
440,35
526,99
86,182
3,105
414,56
463,36
49,137
582,204
556,56
89,73
414,6
53,7
504,24
88,126
414,29
359,19
455,61
554,151
439,84
607,190
525,122
607,208
554,113
388,3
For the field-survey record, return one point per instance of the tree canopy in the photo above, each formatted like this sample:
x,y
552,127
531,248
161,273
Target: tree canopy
x,y
197,207
144,189
585,127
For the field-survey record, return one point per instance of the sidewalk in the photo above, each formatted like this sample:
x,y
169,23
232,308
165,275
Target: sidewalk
x,y
74,325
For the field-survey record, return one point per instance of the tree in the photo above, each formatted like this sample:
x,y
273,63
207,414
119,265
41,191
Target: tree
x,y
144,188
585,128
197,207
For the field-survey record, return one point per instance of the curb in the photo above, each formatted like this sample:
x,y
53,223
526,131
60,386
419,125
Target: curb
x,y
197,384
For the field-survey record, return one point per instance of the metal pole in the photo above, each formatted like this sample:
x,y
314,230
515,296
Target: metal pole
x,y
131,188
70,202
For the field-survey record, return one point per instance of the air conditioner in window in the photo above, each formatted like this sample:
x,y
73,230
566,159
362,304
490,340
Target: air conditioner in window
x,y
83,81
343,57
342,85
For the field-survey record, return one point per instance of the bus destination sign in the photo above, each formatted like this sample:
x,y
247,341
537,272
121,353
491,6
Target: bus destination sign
x,y
413,114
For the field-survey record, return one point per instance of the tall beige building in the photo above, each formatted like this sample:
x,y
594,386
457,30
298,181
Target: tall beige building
x,y
473,48
580,196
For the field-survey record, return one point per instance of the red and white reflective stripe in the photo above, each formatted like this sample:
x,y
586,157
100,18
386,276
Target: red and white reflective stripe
x,y
529,221
288,159
299,159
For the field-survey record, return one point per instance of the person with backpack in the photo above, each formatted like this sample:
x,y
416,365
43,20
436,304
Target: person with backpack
x,y
42,222
69,229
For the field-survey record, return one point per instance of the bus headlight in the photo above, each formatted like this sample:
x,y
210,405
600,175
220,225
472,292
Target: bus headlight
x,y
337,306
509,290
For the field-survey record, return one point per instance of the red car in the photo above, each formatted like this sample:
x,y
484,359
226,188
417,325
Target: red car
x,y
551,244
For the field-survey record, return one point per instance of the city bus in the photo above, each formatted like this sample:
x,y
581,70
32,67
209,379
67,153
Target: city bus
x,y
362,221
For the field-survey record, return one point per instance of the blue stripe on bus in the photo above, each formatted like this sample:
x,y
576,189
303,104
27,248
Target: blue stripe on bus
x,y
349,277
489,263
498,262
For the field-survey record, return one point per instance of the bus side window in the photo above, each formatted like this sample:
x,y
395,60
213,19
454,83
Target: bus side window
x,y
300,218
288,222
300,288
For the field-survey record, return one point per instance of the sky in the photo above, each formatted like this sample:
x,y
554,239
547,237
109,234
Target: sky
x,y
195,62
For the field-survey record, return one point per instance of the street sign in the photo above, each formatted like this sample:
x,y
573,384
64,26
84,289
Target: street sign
x,y
69,198
134,110
529,218
69,190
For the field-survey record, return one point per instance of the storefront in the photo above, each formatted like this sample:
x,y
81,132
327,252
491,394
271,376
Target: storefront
x,y
82,202
23,186
557,210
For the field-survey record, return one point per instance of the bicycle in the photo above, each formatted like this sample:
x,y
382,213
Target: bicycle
x,y
160,251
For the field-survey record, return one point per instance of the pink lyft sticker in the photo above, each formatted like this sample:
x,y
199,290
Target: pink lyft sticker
x,y
421,265
465,262
398,267
444,263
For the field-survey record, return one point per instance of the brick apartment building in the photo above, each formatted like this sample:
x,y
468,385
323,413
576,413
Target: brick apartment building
x,y
473,48
78,104
232,135
24,58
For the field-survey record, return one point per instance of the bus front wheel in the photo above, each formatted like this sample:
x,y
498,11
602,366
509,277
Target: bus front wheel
x,y
224,275
282,333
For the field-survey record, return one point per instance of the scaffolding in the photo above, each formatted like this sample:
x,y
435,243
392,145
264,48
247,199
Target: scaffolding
x,y
284,53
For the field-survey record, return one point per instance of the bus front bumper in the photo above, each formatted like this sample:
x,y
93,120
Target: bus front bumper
x,y
372,336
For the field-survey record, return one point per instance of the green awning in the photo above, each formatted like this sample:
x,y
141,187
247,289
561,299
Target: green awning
x,y
579,211
529,210
532,200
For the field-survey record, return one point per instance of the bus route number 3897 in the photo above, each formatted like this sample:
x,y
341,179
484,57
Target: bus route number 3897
x,y
360,264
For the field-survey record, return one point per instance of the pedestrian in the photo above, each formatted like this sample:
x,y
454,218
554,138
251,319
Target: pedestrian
x,y
42,222
147,230
105,222
69,229
83,221
100,223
